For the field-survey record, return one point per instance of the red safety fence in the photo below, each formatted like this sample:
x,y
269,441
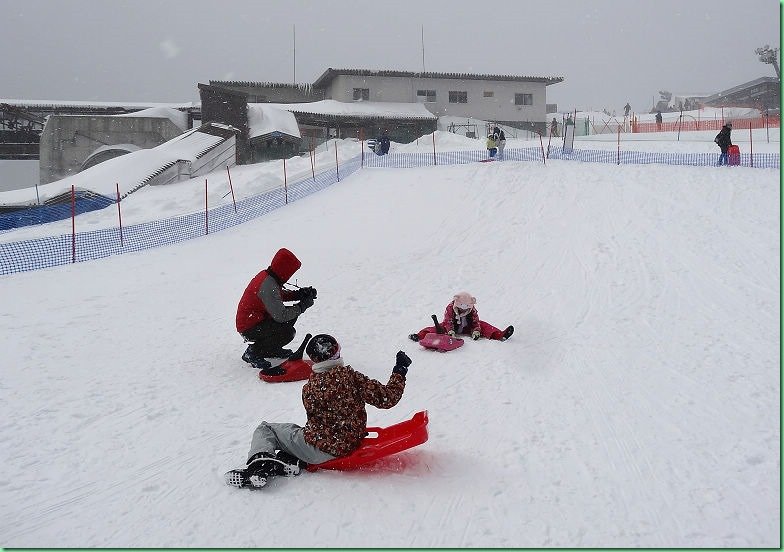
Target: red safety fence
x,y
690,124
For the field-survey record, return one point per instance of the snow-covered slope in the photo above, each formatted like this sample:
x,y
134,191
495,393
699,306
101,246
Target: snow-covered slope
x,y
636,405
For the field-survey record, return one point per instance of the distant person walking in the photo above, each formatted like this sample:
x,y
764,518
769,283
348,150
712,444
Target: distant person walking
x,y
553,127
724,141
658,121
626,109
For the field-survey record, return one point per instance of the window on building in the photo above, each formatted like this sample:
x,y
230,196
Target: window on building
x,y
488,94
524,99
362,93
458,97
426,95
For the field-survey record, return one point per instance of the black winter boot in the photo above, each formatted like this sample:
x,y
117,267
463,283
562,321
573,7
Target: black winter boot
x,y
507,333
293,464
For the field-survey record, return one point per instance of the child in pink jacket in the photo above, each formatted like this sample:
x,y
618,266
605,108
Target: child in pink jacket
x,y
462,318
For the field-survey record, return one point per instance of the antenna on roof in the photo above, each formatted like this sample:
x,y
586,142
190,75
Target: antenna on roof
x,y
295,53
423,48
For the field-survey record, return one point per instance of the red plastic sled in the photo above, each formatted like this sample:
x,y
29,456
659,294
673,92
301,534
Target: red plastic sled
x,y
389,440
733,155
296,370
441,342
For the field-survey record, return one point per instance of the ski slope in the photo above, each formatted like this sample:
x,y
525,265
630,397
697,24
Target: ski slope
x,y
636,405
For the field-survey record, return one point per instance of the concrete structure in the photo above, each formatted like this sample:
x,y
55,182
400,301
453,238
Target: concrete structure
x,y
763,93
68,142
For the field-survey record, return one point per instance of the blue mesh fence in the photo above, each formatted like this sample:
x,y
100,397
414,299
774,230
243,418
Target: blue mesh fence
x,y
39,214
57,250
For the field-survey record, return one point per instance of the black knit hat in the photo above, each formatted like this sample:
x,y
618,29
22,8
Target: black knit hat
x,y
323,347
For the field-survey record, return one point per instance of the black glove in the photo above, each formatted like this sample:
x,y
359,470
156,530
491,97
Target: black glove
x,y
402,362
306,292
305,303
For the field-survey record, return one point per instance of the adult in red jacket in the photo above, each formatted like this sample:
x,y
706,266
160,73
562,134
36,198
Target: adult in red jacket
x,y
263,318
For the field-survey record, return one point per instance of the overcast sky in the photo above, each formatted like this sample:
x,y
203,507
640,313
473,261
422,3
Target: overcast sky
x,y
608,51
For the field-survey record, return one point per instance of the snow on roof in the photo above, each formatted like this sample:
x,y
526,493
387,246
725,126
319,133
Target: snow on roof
x,y
179,118
265,119
368,110
97,105
328,75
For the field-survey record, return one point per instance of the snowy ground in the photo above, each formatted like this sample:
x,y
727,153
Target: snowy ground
x,y
637,404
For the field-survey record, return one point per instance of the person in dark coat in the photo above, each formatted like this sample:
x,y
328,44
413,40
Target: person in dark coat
x,y
724,142
658,121
500,142
263,318
334,398
383,143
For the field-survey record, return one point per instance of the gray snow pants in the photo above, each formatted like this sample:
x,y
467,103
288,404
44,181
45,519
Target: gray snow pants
x,y
287,437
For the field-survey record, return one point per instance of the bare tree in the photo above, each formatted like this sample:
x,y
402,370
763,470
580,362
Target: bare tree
x,y
769,55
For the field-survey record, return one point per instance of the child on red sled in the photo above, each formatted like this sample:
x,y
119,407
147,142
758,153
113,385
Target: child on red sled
x,y
462,318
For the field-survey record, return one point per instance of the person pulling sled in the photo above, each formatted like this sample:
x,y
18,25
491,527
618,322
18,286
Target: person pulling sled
x,y
334,398
262,317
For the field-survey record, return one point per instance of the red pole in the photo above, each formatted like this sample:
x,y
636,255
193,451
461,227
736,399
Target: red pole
x,y
285,181
541,143
619,144
434,148
206,210
337,166
73,224
312,160
119,213
751,146
232,189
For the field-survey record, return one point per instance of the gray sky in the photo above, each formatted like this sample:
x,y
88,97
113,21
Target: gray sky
x,y
609,51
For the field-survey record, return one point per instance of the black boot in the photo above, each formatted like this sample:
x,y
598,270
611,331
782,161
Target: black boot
x,y
293,465
507,333
265,464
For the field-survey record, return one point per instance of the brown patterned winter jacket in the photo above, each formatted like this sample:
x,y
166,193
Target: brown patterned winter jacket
x,y
335,404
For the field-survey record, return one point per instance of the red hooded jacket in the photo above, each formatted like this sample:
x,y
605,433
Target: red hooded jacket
x,y
251,310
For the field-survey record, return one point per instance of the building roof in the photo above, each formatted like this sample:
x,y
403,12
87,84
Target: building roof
x,y
95,105
257,84
743,87
328,75
333,109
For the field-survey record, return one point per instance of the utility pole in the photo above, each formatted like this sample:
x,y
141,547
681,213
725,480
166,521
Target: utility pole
x,y
423,48
295,53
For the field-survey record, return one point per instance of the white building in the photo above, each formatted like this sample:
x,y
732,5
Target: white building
x,y
518,101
